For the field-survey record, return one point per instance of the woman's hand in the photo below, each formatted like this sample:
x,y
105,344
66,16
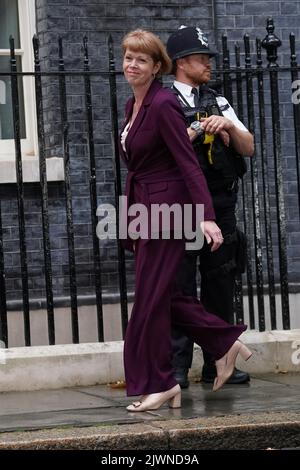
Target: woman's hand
x,y
212,233
192,134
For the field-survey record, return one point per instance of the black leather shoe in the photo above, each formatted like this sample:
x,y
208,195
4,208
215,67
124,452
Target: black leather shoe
x,y
209,374
181,375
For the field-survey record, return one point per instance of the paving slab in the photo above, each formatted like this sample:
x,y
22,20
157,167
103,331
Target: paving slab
x,y
39,401
267,410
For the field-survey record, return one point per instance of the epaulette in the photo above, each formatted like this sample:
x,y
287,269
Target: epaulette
x,y
224,107
206,88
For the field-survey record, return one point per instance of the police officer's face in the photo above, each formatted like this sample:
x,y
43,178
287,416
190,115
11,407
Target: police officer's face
x,y
139,67
196,68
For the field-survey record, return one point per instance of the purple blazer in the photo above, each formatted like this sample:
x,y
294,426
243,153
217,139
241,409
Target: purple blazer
x,y
162,165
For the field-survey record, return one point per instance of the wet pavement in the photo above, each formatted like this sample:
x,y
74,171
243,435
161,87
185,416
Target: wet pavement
x,y
102,405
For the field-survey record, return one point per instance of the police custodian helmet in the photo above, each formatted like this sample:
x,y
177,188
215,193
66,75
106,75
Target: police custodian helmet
x,y
186,41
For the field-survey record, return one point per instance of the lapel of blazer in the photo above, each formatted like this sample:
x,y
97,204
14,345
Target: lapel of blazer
x,y
153,89
128,112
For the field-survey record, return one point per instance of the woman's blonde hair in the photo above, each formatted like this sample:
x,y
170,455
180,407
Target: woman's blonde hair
x,y
148,43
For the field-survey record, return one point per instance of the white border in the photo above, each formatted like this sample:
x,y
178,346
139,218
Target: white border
x,y
27,30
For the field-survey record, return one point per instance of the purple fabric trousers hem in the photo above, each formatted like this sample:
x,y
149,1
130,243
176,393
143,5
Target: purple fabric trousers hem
x,y
158,304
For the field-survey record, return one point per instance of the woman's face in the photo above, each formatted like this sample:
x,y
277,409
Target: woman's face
x,y
139,67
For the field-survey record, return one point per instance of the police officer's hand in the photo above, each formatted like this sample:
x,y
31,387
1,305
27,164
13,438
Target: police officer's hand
x,y
241,140
212,234
216,124
225,137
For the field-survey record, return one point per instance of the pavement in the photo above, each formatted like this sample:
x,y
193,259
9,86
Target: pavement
x,y
264,414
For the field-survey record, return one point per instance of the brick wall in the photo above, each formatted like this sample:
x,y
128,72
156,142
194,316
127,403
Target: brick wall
x,y
97,19
236,18
72,19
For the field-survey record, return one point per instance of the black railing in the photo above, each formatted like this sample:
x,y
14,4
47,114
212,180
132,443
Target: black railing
x,y
253,88
265,187
43,192
20,194
68,193
118,182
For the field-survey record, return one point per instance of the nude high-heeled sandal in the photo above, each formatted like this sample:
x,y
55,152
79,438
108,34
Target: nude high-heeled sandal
x,y
156,400
225,365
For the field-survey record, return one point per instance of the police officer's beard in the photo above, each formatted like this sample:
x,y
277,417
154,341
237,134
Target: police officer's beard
x,y
200,78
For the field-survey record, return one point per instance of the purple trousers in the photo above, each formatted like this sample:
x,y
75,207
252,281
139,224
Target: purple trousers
x,y
158,304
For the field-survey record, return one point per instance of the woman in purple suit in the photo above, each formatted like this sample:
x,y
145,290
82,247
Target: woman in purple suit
x,y
163,169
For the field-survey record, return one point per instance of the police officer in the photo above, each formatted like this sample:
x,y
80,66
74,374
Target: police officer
x,y
220,139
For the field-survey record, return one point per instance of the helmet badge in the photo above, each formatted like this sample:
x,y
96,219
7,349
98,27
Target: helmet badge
x,y
202,38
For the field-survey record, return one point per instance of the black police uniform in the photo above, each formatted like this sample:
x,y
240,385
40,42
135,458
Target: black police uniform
x,y
222,167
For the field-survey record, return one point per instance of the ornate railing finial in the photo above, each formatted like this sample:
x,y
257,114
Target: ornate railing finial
x,y
271,43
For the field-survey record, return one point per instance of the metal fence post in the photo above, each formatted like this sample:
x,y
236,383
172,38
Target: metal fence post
x,y
20,191
68,194
227,83
44,191
118,185
265,185
93,190
271,43
255,192
239,306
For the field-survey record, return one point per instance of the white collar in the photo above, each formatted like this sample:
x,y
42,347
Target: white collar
x,y
185,90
